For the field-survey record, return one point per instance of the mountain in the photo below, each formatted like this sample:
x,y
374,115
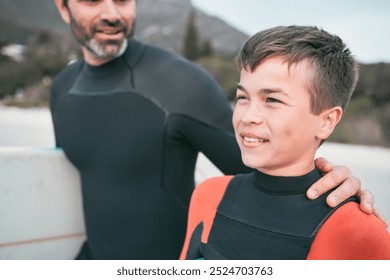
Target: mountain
x,y
159,22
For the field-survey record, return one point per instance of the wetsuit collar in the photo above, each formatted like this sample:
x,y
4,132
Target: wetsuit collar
x,y
285,185
130,58
134,52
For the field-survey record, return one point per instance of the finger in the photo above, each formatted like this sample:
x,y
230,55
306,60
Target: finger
x,y
379,214
330,180
323,165
346,190
366,201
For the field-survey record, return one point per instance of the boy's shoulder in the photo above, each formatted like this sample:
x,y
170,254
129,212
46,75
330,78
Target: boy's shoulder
x,y
204,203
209,193
349,233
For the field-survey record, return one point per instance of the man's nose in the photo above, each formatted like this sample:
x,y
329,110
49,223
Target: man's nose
x,y
110,11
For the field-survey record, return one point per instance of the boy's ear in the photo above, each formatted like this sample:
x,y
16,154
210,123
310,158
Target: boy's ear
x,y
63,10
329,119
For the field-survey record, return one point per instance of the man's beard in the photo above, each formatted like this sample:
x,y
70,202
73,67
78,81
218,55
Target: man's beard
x,y
99,49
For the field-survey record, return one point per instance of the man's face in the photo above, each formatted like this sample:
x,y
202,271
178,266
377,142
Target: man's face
x,y
102,27
274,127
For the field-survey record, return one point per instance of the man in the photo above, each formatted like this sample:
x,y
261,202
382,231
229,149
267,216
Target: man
x,y
132,119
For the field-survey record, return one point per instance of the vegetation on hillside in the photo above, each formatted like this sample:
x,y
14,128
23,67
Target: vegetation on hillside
x,y
26,82
193,48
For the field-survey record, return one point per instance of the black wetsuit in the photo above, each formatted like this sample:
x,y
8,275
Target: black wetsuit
x,y
258,217
133,128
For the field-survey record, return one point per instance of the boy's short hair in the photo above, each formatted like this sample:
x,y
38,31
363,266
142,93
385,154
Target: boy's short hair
x,y
335,70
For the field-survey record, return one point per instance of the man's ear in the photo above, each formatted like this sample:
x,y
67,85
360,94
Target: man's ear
x,y
63,10
329,119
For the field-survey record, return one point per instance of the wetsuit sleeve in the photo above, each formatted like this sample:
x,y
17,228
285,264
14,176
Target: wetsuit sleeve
x,y
350,234
55,92
216,143
199,116
203,207
61,85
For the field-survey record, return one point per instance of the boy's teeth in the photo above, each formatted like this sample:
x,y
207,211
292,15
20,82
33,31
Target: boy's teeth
x,y
254,140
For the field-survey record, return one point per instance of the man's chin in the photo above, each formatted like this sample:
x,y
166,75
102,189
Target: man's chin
x,y
108,49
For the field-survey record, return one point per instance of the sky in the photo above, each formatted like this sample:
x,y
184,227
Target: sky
x,y
364,25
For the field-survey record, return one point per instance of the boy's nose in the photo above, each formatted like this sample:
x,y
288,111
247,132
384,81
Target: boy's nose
x,y
253,115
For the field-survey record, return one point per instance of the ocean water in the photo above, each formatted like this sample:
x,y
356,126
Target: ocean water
x,y
33,128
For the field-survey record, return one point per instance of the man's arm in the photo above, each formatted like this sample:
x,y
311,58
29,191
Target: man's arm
x,y
61,84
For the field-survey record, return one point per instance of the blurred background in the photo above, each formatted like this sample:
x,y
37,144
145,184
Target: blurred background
x,y
35,45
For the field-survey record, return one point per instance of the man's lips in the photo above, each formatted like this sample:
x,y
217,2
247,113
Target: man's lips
x,y
110,31
110,34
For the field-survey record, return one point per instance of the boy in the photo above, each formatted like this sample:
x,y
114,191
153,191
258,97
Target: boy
x,y
294,86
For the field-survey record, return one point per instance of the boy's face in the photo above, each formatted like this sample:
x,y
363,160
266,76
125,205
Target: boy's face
x,y
274,127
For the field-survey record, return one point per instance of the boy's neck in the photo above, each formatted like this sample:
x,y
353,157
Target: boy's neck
x,y
298,169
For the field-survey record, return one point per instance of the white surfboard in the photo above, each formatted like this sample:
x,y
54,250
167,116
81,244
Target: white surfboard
x,y
41,214
40,205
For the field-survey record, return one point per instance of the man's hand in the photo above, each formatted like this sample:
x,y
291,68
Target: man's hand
x,y
347,186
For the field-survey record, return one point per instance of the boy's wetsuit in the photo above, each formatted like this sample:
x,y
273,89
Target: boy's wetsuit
x,y
257,216
133,128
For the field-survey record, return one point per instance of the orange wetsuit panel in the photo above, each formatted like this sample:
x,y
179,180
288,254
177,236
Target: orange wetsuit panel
x,y
351,234
203,207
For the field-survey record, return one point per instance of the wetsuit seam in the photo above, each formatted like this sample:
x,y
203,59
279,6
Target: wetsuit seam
x,y
61,94
65,91
264,230
98,95
132,82
163,175
131,67
143,47
239,180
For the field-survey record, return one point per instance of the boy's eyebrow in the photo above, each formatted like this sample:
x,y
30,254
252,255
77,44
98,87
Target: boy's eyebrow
x,y
265,90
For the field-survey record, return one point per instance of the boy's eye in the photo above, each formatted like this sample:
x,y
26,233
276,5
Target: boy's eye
x,y
91,1
240,98
272,100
